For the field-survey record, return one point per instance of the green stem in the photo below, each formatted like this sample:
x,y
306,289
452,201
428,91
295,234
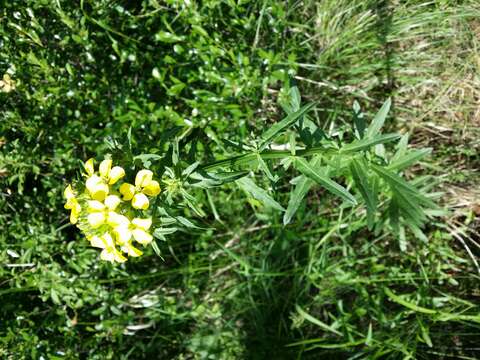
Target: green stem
x,y
265,155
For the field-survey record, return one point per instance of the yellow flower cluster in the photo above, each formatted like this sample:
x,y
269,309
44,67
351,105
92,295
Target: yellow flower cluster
x,y
111,213
7,84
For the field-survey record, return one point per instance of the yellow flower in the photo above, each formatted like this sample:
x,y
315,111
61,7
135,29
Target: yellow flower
x,y
137,228
109,252
109,174
144,181
72,204
144,185
97,188
100,213
103,214
7,84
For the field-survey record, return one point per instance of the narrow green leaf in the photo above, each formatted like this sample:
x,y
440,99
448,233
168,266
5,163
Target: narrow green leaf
x,y
258,193
401,148
301,189
360,177
268,135
400,185
366,143
425,333
358,119
409,305
209,180
378,120
408,159
317,322
306,169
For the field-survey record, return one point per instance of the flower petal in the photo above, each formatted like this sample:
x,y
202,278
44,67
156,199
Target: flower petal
x,y
131,250
96,241
122,234
105,167
108,239
96,219
143,224
76,209
143,177
116,174
73,217
142,236
127,190
140,201
95,206
100,192
152,188
115,219
107,255
118,256
112,201
68,193
92,182
89,168
71,203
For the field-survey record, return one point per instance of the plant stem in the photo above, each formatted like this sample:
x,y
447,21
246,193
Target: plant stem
x,y
265,155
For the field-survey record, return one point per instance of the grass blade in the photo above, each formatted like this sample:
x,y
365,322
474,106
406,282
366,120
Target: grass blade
x,y
317,322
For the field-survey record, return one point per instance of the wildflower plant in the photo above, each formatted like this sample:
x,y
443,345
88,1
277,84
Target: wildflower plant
x,y
115,214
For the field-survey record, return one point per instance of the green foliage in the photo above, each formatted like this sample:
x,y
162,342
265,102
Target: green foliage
x,y
195,91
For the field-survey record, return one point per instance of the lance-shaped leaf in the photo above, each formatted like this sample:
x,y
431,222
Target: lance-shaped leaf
x,y
366,143
401,186
360,176
258,193
378,120
301,189
268,135
404,161
208,180
306,169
